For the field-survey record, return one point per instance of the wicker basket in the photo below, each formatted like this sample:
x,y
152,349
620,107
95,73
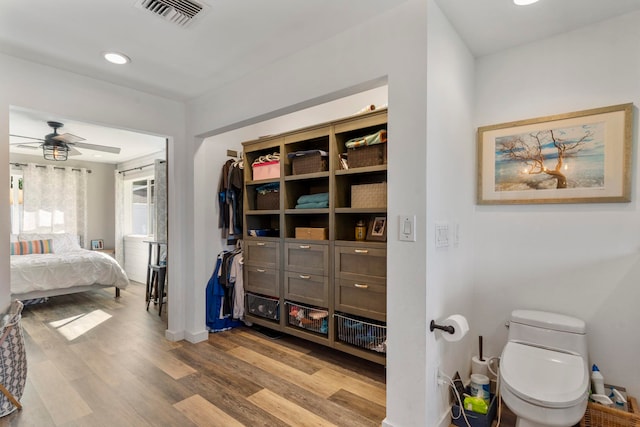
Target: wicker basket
x,y
268,201
601,416
369,195
311,163
369,155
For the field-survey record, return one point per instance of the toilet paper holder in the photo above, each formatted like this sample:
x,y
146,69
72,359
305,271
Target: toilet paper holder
x,y
447,328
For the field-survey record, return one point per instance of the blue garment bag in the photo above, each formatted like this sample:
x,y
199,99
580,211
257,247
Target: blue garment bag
x,y
216,321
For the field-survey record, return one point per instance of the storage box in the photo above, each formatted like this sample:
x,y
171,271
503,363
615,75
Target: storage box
x,y
599,415
311,233
266,170
475,419
369,155
268,201
369,195
309,163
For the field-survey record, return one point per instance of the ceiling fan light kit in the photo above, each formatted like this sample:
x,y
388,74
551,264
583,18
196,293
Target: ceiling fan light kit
x,y
57,152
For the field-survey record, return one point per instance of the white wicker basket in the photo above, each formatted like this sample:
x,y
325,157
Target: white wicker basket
x,y
13,360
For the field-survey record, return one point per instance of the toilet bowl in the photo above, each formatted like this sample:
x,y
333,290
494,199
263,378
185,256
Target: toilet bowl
x,y
544,377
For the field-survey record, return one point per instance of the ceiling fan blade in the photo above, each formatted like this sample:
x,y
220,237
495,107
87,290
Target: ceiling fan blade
x,y
73,152
30,147
69,138
25,137
96,147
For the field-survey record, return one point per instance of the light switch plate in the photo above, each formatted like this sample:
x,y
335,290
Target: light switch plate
x,y
407,228
442,234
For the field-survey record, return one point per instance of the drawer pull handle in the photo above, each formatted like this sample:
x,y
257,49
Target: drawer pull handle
x,y
260,270
260,244
305,247
358,285
304,276
361,251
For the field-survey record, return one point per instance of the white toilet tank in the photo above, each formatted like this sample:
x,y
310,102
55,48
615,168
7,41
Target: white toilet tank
x,y
549,330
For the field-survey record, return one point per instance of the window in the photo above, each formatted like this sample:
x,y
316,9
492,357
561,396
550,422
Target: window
x,y
16,202
141,211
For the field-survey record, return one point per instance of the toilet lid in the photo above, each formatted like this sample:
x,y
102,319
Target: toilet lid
x,y
544,377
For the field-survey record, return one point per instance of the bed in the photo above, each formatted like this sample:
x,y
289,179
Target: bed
x,y
45,265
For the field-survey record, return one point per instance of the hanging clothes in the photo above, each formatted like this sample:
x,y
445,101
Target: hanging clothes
x,y
225,291
230,195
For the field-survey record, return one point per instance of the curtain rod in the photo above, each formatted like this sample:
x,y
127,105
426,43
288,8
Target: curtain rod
x,y
141,167
44,166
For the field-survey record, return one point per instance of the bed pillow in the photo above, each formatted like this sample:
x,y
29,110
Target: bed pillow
x,y
62,242
27,247
14,238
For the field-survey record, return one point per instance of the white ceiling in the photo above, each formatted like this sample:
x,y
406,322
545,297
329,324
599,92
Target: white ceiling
x,y
231,38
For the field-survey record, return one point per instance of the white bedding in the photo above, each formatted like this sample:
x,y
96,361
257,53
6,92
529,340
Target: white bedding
x,y
68,270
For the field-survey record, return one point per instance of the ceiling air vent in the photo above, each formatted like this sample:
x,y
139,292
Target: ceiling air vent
x,y
180,12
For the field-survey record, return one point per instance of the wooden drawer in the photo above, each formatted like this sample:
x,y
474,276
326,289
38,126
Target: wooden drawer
x,y
306,258
352,260
307,288
362,298
262,280
266,254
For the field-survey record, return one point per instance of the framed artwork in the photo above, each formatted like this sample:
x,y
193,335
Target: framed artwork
x,y
579,157
377,229
97,244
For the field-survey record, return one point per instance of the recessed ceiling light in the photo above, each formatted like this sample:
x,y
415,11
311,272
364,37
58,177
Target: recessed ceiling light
x,y
524,2
116,58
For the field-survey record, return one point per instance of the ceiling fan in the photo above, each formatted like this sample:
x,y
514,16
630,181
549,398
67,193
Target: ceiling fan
x,y
58,147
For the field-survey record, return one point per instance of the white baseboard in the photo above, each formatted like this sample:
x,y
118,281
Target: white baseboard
x,y
196,337
445,421
174,335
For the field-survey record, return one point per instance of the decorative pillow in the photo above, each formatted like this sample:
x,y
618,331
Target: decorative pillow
x,y
14,238
62,242
31,247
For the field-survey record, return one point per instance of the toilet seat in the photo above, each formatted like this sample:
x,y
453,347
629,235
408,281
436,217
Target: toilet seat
x,y
544,377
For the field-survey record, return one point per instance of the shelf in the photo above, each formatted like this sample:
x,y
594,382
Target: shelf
x,y
367,169
319,273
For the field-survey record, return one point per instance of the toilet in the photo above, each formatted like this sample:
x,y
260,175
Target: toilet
x,y
544,375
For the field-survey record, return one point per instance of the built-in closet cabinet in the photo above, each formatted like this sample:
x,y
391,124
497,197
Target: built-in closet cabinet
x,y
330,291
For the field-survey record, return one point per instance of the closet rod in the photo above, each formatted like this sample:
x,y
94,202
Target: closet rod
x,y
44,166
141,167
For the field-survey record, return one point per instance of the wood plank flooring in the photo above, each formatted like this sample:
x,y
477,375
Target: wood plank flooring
x,y
94,360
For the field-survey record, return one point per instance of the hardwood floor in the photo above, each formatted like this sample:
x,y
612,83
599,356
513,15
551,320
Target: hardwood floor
x,y
94,360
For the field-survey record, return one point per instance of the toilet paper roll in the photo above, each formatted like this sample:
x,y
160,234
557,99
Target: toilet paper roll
x,y
460,326
482,366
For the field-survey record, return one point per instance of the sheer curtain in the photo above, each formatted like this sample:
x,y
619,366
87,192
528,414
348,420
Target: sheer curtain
x,y
119,178
55,200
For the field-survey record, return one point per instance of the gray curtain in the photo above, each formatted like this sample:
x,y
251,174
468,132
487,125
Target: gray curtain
x,y
119,178
160,200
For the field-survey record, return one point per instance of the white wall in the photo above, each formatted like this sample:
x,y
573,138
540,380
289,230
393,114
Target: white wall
x,y
29,85
582,259
450,196
392,45
100,196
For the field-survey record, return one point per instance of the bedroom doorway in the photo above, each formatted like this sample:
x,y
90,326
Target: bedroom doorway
x,y
103,152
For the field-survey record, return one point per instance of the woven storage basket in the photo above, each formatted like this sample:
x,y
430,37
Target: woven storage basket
x,y
601,416
370,155
310,163
13,361
369,195
268,201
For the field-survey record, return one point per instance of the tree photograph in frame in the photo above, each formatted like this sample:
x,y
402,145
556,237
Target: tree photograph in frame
x,y
97,244
579,157
377,230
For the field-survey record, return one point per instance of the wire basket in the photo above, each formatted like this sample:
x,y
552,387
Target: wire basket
x,y
601,416
310,318
266,307
362,333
